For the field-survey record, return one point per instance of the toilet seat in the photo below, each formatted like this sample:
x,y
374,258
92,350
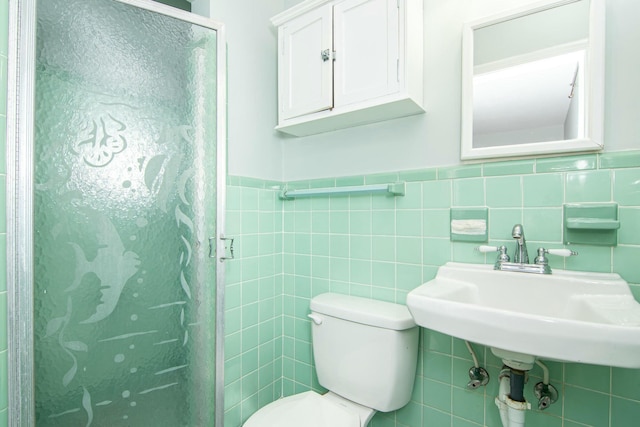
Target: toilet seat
x,y
308,409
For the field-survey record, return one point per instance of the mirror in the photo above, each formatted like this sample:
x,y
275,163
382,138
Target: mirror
x,y
533,80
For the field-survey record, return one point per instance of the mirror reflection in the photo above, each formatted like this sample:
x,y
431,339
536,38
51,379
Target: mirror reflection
x,y
528,76
536,101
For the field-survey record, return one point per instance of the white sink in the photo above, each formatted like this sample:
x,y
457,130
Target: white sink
x,y
568,315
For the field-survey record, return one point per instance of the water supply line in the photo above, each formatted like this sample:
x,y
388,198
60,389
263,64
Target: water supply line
x,y
478,376
545,372
473,354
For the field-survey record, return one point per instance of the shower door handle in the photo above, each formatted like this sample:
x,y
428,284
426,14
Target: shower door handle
x,y
212,247
231,241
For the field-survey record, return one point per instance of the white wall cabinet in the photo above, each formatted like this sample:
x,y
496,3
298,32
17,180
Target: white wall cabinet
x,y
344,63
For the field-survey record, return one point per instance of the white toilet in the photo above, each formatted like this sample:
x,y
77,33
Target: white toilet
x,y
365,354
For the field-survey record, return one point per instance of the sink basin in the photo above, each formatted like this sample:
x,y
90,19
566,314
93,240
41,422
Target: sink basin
x,y
567,316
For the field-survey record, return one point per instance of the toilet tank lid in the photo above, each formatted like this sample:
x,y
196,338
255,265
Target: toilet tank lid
x,y
363,310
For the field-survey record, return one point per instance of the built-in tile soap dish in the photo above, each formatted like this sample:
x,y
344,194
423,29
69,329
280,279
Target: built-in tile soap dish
x,y
591,224
469,225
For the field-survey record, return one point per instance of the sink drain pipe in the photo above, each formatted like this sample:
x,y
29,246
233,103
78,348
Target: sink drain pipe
x,y
510,400
516,386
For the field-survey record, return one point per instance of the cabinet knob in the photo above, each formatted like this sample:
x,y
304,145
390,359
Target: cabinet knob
x,y
326,55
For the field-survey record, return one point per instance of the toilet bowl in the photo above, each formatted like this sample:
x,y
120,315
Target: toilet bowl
x,y
365,352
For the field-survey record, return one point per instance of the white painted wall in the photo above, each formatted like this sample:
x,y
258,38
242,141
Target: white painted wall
x,y
428,140
255,149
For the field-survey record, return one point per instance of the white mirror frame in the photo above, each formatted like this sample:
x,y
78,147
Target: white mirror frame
x,y
594,93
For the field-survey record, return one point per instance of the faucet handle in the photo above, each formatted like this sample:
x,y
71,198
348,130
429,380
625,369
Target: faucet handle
x,y
561,252
502,257
486,248
542,259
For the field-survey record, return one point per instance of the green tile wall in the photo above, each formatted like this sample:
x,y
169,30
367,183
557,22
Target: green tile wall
x,y
4,30
383,247
253,299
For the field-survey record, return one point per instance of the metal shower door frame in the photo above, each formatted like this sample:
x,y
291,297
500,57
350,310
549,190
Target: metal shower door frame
x,y
20,206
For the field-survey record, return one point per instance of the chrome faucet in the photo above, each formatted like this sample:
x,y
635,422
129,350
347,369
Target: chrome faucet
x,y
520,256
520,262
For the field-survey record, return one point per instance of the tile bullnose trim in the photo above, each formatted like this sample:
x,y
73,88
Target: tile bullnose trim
x,y
620,159
570,163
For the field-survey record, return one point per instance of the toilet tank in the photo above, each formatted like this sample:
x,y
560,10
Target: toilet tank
x,y
365,350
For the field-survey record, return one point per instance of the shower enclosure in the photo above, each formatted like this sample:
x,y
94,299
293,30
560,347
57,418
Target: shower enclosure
x,y
115,201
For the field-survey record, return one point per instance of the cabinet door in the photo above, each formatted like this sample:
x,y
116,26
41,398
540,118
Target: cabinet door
x,y
366,41
305,64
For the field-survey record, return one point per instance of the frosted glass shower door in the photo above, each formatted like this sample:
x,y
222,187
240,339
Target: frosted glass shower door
x,y
125,200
